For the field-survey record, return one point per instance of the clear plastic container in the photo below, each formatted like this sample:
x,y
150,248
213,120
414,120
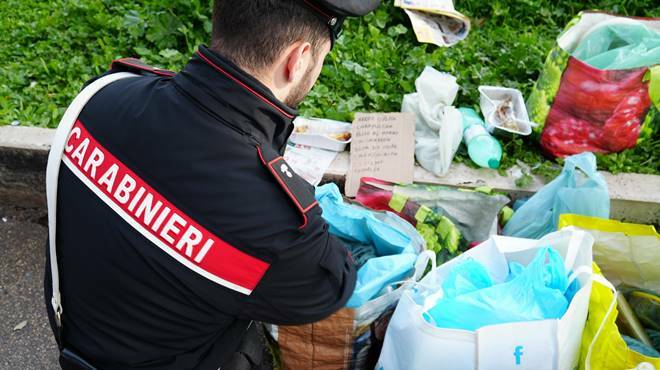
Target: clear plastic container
x,y
492,98
321,133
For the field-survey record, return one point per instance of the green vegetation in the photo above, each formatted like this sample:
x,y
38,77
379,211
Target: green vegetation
x,y
49,48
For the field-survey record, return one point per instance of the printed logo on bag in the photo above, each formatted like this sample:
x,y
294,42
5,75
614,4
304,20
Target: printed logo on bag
x,y
156,218
517,353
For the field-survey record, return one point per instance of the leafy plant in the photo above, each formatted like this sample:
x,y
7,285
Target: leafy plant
x,y
51,48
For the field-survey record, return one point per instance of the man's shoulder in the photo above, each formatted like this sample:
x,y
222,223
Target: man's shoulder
x,y
298,192
132,65
237,185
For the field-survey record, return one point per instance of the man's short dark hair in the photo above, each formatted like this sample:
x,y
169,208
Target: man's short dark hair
x,y
253,33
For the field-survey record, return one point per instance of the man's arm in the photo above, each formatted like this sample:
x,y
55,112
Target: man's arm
x,y
309,281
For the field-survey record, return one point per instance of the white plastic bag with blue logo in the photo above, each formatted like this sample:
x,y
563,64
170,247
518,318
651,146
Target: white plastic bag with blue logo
x,y
411,343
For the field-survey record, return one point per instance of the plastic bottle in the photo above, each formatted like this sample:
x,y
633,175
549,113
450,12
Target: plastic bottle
x,y
644,366
483,149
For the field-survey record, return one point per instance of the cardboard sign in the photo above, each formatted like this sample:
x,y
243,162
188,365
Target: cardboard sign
x,y
383,147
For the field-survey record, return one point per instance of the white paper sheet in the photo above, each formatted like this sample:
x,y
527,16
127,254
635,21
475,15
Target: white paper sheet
x,y
309,163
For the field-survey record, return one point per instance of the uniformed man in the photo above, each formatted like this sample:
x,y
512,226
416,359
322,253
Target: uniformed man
x,y
178,221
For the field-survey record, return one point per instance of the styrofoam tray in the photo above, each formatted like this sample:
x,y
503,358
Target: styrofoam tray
x,y
489,99
317,133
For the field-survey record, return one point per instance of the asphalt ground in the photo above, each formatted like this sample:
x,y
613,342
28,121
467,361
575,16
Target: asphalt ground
x,y
26,341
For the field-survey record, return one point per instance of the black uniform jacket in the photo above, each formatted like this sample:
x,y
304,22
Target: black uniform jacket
x,y
179,222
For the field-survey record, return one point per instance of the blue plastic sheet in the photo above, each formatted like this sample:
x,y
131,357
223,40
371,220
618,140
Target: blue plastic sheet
x,y
395,241
579,189
470,300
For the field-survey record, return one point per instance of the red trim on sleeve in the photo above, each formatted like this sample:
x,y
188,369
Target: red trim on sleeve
x,y
275,160
310,206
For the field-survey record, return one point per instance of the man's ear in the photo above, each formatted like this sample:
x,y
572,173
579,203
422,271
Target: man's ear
x,y
298,59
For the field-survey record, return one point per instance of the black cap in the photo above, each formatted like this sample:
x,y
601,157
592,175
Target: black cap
x,y
333,12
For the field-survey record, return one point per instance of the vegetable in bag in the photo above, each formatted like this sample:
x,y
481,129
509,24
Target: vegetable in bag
x,y
599,90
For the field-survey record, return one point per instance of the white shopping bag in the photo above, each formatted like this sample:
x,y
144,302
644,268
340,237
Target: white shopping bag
x,y
411,343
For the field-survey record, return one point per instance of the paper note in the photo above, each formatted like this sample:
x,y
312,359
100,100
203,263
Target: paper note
x,y
436,21
383,147
309,163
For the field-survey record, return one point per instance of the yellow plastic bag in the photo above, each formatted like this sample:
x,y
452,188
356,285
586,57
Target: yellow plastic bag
x,y
629,254
626,253
602,346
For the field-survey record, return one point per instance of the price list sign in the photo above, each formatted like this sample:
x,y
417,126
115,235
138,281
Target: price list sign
x,y
382,146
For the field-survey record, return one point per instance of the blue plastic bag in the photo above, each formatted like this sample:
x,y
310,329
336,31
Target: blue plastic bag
x,y
621,45
355,223
395,241
466,277
378,273
535,292
579,189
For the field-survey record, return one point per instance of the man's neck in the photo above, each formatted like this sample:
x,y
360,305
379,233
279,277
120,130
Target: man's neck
x,y
265,78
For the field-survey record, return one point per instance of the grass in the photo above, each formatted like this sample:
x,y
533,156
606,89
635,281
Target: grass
x,y
49,48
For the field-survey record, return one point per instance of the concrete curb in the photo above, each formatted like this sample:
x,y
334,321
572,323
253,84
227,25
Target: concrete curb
x,y
634,197
23,157
24,152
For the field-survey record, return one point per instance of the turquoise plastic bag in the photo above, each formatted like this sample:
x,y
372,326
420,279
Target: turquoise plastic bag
x,y
395,241
466,277
355,223
620,44
378,273
470,300
579,189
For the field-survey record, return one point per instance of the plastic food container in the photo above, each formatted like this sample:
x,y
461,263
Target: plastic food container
x,y
321,133
492,98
